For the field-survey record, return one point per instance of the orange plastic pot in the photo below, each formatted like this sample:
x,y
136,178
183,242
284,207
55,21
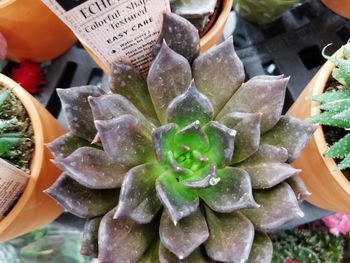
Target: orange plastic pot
x,y
330,189
211,38
32,31
341,7
34,208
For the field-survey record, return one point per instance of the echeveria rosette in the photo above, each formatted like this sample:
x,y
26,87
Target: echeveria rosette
x,y
201,162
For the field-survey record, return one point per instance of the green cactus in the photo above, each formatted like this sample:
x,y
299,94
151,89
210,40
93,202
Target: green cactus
x,y
308,246
16,142
335,106
196,171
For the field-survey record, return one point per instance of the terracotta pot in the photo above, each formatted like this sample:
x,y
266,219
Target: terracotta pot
x,y
211,38
32,31
341,7
330,190
34,208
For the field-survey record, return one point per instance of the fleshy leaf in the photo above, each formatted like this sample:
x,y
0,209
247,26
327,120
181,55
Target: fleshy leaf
x,y
66,144
262,249
327,118
298,187
89,246
345,163
81,201
192,136
344,115
231,237
193,8
124,140
180,202
165,256
92,168
189,107
202,178
163,140
331,96
267,217
260,94
221,143
336,106
186,236
232,192
342,71
180,35
218,73
267,168
247,126
152,253
290,133
138,199
127,81
110,106
77,109
122,240
169,76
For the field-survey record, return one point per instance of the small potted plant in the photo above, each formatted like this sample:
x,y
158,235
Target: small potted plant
x,y
191,163
329,186
24,129
264,11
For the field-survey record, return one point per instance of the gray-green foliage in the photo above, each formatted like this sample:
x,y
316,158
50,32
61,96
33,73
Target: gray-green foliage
x,y
335,106
307,246
15,131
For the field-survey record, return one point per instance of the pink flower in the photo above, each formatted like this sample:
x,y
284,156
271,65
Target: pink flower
x,y
338,223
291,261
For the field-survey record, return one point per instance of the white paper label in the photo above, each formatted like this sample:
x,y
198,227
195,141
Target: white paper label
x,y
121,30
12,184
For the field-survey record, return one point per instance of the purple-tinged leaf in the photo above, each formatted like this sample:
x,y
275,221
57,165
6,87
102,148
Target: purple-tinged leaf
x,y
231,236
123,240
127,81
192,136
199,23
66,144
186,236
125,140
290,133
267,168
262,249
165,256
92,168
221,143
163,140
89,246
152,253
169,76
180,35
260,94
179,202
193,8
81,201
189,107
218,73
138,199
247,126
77,109
298,187
278,205
232,192
111,106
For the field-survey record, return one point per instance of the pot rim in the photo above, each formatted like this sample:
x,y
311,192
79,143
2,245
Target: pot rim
x,y
4,3
226,6
320,84
38,154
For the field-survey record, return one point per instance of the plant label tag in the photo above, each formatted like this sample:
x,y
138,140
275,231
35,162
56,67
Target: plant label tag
x,y
115,30
12,184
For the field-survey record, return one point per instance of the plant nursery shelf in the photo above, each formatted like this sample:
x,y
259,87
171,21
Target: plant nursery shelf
x,y
292,46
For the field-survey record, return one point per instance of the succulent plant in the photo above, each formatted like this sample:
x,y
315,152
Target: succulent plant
x,y
16,141
335,106
307,246
201,158
198,12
